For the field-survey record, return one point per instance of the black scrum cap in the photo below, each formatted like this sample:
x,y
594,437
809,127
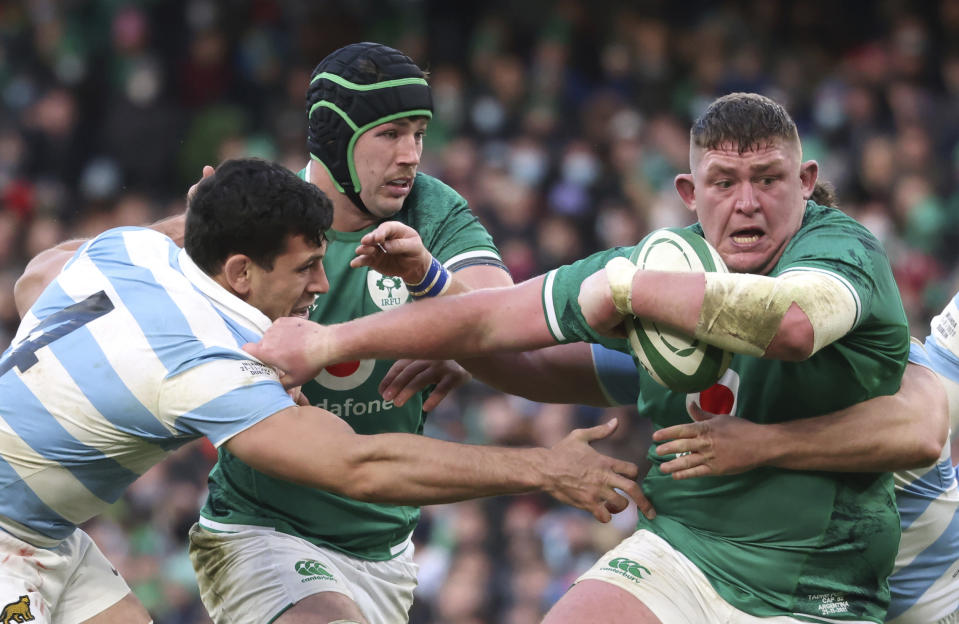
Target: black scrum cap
x,y
353,89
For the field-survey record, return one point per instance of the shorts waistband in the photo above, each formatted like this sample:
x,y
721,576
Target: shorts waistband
x,y
225,527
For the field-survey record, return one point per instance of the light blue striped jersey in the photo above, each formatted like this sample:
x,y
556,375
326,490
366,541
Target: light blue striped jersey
x,y
129,353
924,584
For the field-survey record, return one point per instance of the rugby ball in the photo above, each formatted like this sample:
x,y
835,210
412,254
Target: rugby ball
x,y
676,360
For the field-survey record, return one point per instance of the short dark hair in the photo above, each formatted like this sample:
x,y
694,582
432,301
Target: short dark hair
x,y
251,206
746,121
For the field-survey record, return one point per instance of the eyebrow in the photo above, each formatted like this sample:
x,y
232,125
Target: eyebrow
x,y
778,162
723,169
313,258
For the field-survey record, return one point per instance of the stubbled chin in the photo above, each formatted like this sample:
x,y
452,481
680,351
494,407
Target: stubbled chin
x,y
385,212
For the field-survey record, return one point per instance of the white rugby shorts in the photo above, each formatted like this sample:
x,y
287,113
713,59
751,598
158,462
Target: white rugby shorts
x,y
254,574
63,585
670,585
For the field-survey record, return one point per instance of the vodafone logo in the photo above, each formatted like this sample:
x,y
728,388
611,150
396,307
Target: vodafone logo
x,y
721,397
345,376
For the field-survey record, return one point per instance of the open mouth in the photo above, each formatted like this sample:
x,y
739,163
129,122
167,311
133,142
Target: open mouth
x,y
401,184
303,312
747,236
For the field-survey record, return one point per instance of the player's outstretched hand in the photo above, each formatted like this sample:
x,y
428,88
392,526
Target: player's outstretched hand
x,y
713,445
407,377
580,476
394,248
596,302
294,346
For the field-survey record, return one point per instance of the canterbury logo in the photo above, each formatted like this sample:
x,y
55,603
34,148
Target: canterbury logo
x,y
628,566
309,567
18,611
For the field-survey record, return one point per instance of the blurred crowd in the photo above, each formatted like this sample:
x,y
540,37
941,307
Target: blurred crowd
x,y
562,122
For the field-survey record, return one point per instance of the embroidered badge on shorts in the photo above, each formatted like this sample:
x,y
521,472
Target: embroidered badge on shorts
x,y
626,567
18,611
312,570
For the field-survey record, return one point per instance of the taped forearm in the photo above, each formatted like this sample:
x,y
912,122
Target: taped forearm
x,y
743,312
619,274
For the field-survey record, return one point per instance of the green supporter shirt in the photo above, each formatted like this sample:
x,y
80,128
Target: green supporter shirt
x,y
816,546
240,495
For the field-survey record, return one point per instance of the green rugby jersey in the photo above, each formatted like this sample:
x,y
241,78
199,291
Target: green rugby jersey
x,y
817,546
240,495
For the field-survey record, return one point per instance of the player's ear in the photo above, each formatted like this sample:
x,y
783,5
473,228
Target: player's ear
x,y
236,273
808,174
686,189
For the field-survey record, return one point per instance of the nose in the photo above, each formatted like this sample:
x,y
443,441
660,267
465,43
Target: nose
x,y
409,151
318,282
746,200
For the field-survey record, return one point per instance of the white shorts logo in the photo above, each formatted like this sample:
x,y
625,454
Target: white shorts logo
x,y
386,291
345,376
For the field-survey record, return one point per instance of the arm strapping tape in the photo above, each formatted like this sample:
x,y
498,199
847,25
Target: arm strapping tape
x,y
742,312
619,274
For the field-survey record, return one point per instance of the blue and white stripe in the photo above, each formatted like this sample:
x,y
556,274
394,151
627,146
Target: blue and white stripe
x,y
142,356
924,583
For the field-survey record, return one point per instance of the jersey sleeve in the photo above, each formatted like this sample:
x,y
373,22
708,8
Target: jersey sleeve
x,y
832,243
564,317
450,230
221,397
942,344
846,251
617,375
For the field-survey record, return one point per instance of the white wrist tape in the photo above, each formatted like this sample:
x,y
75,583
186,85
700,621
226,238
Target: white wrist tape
x,y
619,274
742,312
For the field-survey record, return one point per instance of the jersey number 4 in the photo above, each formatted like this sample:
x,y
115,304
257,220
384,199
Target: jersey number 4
x,y
55,326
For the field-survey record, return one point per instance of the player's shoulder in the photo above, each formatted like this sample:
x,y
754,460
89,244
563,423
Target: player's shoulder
x,y
126,239
824,227
129,231
819,218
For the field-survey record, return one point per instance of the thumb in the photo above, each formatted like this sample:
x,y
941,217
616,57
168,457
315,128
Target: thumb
x,y
253,348
698,414
600,431
288,382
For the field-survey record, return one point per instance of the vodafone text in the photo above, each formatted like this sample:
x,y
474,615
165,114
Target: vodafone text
x,y
355,408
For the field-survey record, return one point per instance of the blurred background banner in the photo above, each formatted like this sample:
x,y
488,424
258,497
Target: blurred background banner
x,y
563,123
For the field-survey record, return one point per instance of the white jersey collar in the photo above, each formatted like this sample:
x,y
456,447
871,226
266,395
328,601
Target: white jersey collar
x,y
224,300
